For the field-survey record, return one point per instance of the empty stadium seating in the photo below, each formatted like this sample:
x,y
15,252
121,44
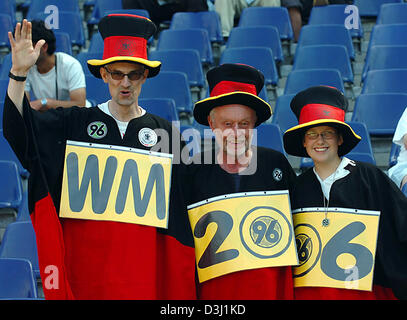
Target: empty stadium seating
x,y
163,107
269,136
392,13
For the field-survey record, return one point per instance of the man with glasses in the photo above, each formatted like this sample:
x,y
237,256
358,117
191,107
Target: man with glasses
x,y
100,250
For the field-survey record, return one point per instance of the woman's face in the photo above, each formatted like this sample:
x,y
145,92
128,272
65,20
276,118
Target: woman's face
x,y
322,143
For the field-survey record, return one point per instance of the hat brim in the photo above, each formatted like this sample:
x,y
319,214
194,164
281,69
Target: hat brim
x,y
203,108
293,138
94,65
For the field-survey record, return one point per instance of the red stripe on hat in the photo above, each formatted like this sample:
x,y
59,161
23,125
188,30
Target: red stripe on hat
x,y
125,46
311,112
127,15
231,86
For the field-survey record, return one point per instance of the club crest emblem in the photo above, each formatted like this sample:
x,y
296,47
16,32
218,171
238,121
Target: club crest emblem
x,y
147,137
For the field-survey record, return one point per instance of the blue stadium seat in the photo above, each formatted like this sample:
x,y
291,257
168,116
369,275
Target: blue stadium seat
x,y
380,112
8,7
96,43
197,39
169,84
394,154
11,189
404,189
269,135
258,57
298,80
137,12
84,56
326,34
101,7
192,139
182,60
39,6
363,157
208,20
282,114
371,8
259,36
324,57
392,13
3,88
385,57
388,80
163,107
96,90
7,154
333,14
63,42
5,68
19,241
364,145
17,279
275,16
69,22
6,25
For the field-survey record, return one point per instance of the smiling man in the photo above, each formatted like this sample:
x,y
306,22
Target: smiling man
x,y
99,257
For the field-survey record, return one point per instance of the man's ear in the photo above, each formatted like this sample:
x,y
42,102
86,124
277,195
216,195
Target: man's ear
x,y
103,74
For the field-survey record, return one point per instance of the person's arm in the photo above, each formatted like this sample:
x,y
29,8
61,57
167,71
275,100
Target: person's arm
x,y
23,56
77,98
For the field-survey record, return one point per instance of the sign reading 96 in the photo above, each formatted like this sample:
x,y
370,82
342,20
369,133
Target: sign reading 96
x,y
240,232
340,255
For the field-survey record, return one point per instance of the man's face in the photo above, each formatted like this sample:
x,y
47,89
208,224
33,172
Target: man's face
x,y
232,125
124,92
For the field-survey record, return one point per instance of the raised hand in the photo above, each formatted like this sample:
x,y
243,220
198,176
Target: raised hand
x,y
23,54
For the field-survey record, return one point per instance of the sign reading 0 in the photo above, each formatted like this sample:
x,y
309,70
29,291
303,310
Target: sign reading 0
x,y
111,183
340,255
242,231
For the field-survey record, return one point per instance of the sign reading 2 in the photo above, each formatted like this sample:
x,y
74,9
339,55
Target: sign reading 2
x,y
234,233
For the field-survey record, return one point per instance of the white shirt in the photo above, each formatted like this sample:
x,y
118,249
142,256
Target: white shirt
x,y
70,77
401,130
122,125
338,174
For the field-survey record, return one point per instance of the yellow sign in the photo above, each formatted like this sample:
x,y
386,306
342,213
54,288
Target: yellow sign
x,y
338,254
111,183
242,231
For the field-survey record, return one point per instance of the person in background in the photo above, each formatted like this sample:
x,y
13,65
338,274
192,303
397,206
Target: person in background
x,y
56,79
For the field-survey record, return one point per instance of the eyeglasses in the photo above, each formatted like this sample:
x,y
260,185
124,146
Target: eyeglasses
x,y
326,135
133,75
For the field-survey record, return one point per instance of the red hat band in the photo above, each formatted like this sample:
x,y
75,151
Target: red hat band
x,y
125,46
224,87
314,111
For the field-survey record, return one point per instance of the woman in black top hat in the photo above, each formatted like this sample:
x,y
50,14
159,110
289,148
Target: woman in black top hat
x,y
349,217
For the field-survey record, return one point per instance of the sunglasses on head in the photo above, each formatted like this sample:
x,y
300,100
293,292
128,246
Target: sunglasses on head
x,y
117,75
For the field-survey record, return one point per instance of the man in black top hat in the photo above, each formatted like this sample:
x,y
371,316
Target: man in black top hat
x,y
238,173
99,251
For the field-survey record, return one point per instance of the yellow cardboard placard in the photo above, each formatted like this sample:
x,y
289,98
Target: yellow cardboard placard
x,y
111,183
242,231
340,255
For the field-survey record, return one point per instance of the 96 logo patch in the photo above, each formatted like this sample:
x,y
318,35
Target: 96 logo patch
x,y
97,130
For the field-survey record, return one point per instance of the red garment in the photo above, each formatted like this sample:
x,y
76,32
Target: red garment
x,y
259,284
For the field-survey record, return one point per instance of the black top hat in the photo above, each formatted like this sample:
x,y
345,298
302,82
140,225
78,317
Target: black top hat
x,y
233,84
319,106
125,39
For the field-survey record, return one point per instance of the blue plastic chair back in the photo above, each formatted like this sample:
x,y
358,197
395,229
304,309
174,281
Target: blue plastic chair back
x,y
163,107
392,13
11,189
269,136
394,154
364,145
260,58
169,84
208,20
197,39
8,7
7,154
5,68
275,16
6,24
385,57
20,242
260,36
182,60
17,279
282,114
299,80
324,57
101,8
49,6
385,81
326,34
380,120
371,8
96,90
83,57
